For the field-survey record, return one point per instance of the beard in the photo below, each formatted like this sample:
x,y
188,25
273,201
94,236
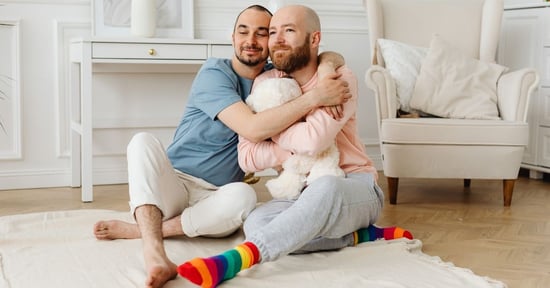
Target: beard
x,y
250,61
291,59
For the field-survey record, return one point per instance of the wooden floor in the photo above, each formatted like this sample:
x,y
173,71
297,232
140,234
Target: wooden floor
x,y
469,227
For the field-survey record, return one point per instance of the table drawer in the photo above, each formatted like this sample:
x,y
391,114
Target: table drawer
x,y
222,51
149,51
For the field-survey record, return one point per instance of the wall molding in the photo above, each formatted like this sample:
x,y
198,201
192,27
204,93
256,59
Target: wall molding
x,y
331,17
64,31
11,109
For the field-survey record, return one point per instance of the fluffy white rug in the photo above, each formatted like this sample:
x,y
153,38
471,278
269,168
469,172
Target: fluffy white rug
x,y
58,249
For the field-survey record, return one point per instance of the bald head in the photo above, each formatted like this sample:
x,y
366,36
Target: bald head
x,y
302,15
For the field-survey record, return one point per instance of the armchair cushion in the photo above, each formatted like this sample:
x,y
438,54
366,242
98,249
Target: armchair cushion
x,y
403,63
454,132
452,85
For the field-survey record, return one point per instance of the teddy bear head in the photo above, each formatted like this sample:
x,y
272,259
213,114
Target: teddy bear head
x,y
273,92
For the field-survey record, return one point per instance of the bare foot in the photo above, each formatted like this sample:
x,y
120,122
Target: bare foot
x,y
160,274
116,229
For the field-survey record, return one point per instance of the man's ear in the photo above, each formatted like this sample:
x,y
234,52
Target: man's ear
x,y
315,39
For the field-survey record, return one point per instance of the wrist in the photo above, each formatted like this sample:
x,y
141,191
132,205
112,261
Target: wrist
x,y
311,100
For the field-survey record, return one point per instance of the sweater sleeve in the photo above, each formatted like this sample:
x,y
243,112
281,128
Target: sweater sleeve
x,y
259,156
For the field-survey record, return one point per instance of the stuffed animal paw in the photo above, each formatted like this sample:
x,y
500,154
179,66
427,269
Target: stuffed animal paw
x,y
326,163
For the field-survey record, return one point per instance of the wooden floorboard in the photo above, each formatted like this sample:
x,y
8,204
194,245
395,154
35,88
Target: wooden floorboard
x,y
466,226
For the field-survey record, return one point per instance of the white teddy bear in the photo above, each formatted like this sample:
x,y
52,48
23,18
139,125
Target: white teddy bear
x,y
290,182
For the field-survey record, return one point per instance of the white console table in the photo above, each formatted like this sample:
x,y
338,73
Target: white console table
x,y
87,52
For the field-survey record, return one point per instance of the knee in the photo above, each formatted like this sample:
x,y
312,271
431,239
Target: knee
x,y
325,192
141,142
254,222
326,185
240,198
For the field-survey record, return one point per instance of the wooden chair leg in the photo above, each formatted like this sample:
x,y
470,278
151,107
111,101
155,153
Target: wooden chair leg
x,y
392,187
467,182
508,189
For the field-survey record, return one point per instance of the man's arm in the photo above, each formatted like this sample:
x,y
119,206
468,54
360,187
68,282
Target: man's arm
x,y
260,126
261,155
321,130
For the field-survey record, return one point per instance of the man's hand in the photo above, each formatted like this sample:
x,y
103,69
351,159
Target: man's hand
x,y
335,111
328,63
332,91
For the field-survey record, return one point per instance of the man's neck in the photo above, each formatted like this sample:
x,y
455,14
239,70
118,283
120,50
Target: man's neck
x,y
303,75
249,72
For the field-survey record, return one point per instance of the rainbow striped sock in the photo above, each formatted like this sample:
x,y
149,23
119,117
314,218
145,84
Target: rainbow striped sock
x,y
209,272
372,233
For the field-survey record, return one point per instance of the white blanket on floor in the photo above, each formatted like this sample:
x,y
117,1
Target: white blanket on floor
x,y
58,249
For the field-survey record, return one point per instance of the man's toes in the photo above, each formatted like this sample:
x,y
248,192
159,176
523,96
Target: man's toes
x,y
99,226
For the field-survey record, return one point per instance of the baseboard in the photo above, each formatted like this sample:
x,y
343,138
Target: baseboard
x,y
45,178
28,179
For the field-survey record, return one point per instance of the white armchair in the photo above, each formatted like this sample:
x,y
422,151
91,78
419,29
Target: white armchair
x,y
447,147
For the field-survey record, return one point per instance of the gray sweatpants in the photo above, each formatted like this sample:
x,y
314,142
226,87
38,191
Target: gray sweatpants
x,y
324,217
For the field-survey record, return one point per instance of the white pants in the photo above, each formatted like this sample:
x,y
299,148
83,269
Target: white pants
x,y
205,209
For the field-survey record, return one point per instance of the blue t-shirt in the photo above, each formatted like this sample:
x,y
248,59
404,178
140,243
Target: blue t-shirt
x,y
203,146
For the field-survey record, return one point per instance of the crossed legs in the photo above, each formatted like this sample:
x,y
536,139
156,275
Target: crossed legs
x,y
166,203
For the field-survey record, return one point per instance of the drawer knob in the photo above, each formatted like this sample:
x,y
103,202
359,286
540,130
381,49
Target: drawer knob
x,y
152,52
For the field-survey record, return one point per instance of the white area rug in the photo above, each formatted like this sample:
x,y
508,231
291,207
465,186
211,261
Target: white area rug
x,y
58,249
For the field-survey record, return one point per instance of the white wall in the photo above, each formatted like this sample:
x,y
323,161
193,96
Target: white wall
x,y
45,27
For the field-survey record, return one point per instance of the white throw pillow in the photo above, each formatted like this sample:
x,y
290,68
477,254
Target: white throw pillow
x,y
403,62
453,85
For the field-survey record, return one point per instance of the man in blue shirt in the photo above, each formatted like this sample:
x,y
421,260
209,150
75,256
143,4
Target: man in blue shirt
x,y
195,187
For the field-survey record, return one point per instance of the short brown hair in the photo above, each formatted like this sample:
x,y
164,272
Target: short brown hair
x,y
255,7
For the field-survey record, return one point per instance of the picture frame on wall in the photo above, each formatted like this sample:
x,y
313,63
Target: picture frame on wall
x,y
112,18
